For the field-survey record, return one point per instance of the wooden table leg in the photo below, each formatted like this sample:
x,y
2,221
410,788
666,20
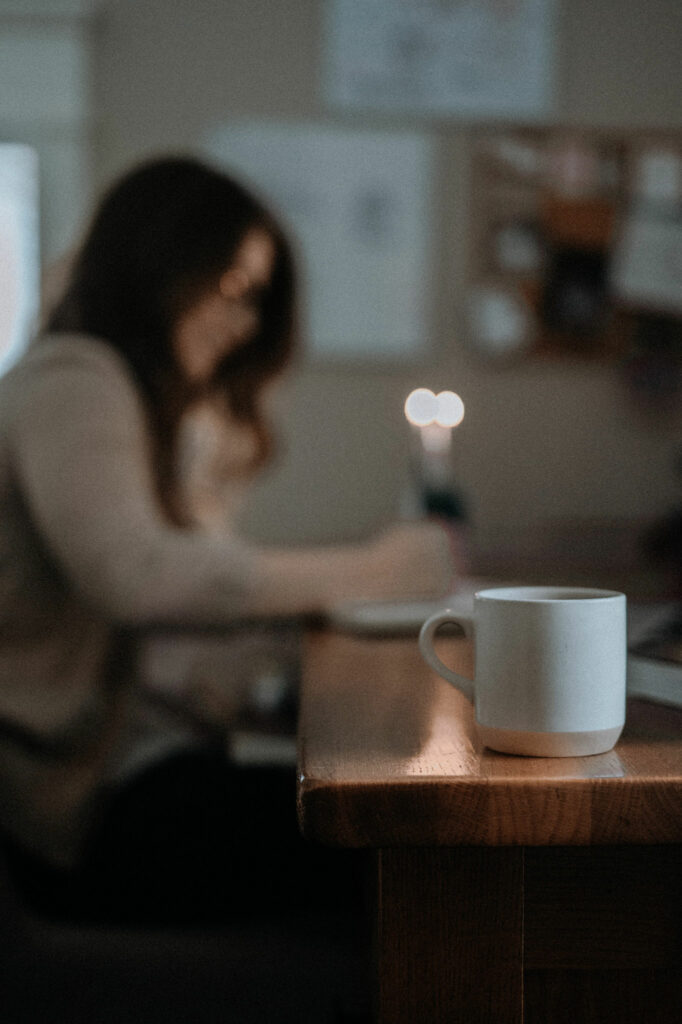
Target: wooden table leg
x,y
603,940
449,939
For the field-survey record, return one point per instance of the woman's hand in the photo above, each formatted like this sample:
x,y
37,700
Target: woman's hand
x,y
416,559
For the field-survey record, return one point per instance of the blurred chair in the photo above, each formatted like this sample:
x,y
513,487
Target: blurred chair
x,y
262,973
274,970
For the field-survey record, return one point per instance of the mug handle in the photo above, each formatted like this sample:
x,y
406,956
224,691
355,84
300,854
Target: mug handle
x,y
426,637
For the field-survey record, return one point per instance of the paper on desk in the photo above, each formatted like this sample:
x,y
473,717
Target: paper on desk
x,y
407,617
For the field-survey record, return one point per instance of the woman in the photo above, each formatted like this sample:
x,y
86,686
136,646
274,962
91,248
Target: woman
x,y
181,298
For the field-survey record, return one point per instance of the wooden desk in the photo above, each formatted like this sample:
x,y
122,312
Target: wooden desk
x,y
508,889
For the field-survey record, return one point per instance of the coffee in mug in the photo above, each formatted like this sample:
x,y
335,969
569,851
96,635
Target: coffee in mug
x,y
550,668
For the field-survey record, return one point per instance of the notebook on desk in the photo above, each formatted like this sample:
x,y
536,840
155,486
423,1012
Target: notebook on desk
x,y
655,652
404,617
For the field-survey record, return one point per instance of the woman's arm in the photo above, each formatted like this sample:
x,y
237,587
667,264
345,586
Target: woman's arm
x,y
411,560
82,456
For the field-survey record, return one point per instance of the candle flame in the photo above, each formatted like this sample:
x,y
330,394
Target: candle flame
x,y
423,408
450,411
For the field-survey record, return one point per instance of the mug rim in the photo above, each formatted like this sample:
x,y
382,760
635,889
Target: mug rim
x,y
546,595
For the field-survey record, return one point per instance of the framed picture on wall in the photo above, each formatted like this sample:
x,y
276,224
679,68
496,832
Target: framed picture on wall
x,y
488,59
356,204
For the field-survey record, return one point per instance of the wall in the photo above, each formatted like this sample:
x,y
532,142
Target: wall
x,y
45,103
539,441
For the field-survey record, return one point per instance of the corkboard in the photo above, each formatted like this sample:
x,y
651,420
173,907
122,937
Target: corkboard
x,y
546,211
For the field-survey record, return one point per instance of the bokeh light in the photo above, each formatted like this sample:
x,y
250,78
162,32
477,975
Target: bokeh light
x,y
421,407
450,409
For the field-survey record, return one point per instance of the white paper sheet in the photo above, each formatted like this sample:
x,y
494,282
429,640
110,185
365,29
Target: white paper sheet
x,y
356,203
490,58
647,266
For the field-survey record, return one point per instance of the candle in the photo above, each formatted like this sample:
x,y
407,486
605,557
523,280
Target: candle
x,y
432,419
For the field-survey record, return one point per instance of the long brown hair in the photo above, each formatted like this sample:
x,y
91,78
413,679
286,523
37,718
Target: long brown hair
x,y
160,238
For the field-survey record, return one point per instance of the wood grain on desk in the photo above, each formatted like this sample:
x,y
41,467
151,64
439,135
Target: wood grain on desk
x,y
509,890
388,755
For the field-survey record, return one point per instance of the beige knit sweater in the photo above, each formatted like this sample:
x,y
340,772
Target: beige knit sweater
x,y
84,549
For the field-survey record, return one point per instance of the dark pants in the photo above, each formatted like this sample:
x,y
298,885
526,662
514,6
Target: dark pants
x,y
196,841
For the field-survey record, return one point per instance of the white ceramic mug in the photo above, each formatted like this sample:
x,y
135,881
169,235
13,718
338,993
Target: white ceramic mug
x,y
550,668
